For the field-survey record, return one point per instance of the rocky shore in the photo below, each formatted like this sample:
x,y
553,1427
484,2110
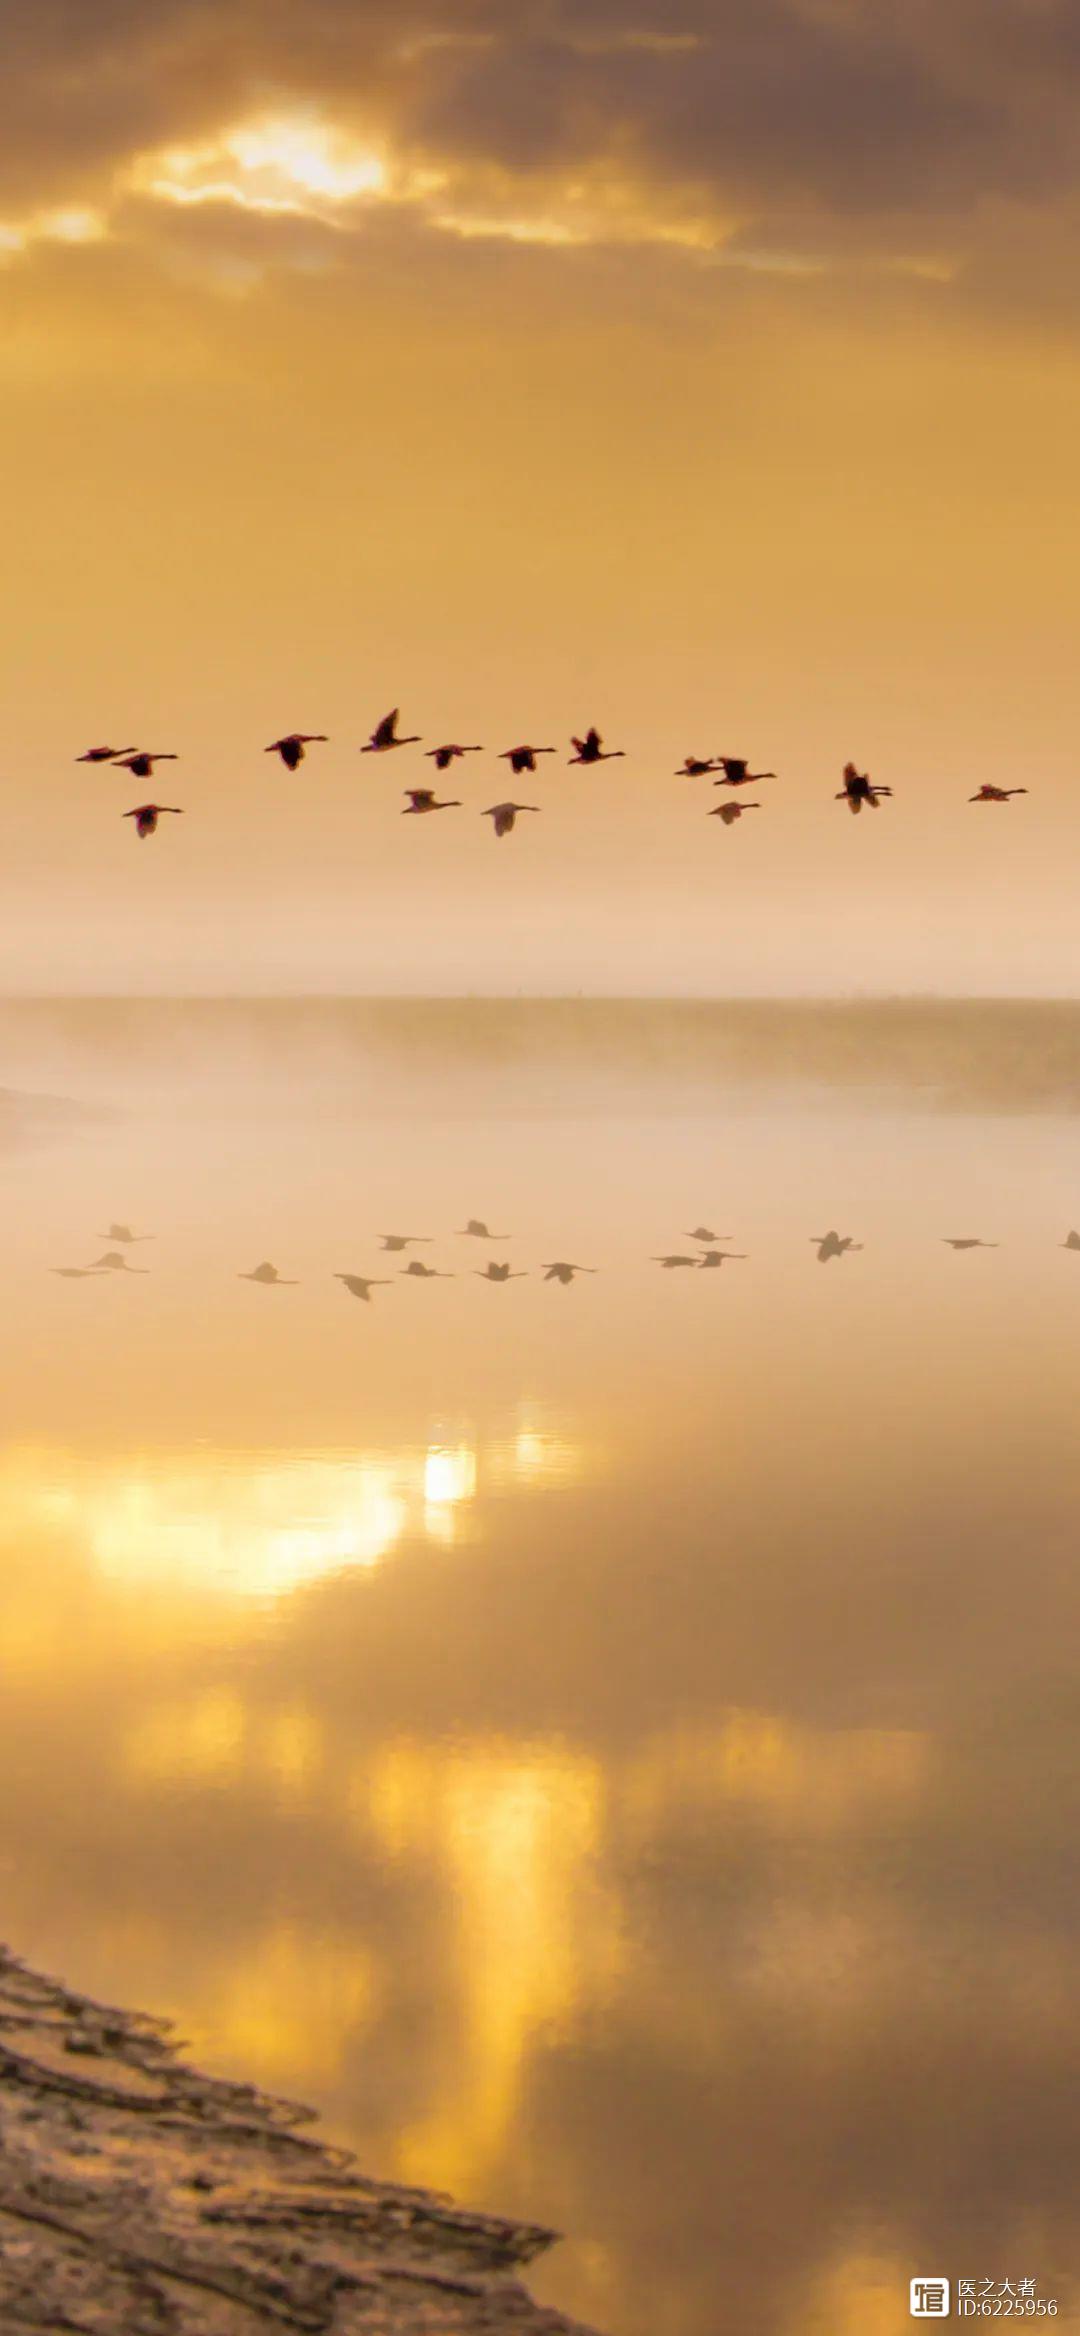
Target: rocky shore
x,y
139,2197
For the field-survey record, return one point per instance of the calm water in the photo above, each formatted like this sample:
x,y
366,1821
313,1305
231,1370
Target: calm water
x,y
615,1750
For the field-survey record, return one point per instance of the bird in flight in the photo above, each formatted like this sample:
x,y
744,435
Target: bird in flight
x,y
385,736
141,765
563,1272
124,1233
702,1233
730,812
950,1242
101,754
146,816
505,814
669,1263
481,1232
443,756
1072,1241
695,768
113,1262
737,772
269,1276
591,748
988,794
523,758
833,1245
292,747
424,799
426,1273
716,1257
857,790
398,1241
361,1285
497,1273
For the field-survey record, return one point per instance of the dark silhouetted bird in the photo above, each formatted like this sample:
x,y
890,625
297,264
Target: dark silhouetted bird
x,y
857,790
737,772
385,736
399,1241
269,1276
361,1285
833,1245
141,765
103,754
988,794
505,814
702,1233
443,756
426,1273
146,816
498,1273
292,747
124,1233
424,799
669,1263
695,768
481,1232
113,1262
1071,1241
523,758
715,1257
591,748
730,812
563,1272
966,1242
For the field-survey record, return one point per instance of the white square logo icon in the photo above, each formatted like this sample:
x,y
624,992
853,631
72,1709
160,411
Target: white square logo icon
x,y
929,2299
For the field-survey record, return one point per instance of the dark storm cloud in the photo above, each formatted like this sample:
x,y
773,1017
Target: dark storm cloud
x,y
854,112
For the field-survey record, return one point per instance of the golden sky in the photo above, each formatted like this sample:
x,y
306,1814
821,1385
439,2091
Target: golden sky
x,y
709,374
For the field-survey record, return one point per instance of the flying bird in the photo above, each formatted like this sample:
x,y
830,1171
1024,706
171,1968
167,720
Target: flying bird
x,y
360,1285
124,1233
504,815
101,754
563,1272
833,1245
730,812
292,747
113,1262
481,1232
857,790
988,794
269,1276
967,1243
591,749
426,1273
443,756
669,1263
737,772
146,816
385,736
141,765
523,758
1072,1241
716,1257
702,1233
694,768
424,799
497,1273
399,1241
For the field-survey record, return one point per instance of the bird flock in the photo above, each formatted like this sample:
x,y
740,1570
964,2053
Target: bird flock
x,y
733,772
707,1256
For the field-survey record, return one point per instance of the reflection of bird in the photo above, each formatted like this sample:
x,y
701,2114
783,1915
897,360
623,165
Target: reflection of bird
x,y
269,1276
857,789
523,758
730,812
504,814
291,747
102,754
482,1232
702,1233
737,772
561,1271
968,1243
591,749
426,1273
113,1262
497,1273
1071,1241
443,756
424,799
124,1233
833,1245
669,1263
694,768
402,1240
146,815
385,736
141,765
988,794
715,1257
361,1286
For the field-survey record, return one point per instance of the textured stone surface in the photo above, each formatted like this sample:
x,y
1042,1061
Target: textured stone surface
x,y
139,2197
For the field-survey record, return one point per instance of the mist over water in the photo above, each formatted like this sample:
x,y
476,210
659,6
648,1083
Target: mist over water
x,y
613,1749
